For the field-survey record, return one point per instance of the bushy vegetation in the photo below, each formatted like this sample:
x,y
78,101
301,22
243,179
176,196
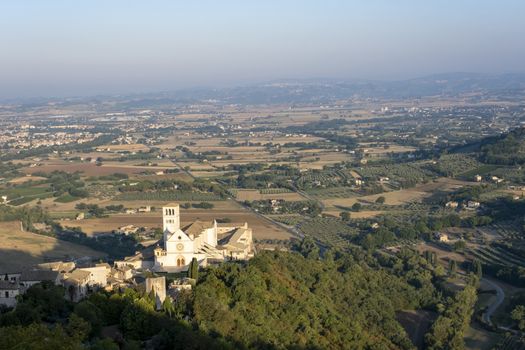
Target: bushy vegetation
x,y
307,208
506,149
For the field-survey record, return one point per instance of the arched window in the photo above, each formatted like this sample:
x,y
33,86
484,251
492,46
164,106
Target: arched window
x,y
180,261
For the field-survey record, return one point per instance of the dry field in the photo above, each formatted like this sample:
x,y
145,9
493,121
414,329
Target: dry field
x,y
135,147
255,195
262,229
20,180
90,169
22,249
390,149
415,194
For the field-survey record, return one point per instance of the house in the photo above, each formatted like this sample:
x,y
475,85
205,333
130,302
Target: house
x,y
59,266
442,237
76,284
128,229
180,285
477,178
122,273
145,209
98,275
473,205
451,204
10,276
9,290
496,179
32,277
80,216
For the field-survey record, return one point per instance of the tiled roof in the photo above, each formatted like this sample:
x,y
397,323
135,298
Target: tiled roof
x,y
197,227
39,275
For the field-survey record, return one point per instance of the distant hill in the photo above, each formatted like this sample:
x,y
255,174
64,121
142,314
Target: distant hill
x,y
314,91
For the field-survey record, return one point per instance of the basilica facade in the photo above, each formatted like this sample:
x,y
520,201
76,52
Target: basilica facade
x,y
205,241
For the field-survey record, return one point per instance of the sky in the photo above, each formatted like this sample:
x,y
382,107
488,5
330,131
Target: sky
x,y
90,47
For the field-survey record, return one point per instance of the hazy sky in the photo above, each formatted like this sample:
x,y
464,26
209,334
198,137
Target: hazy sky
x,y
75,47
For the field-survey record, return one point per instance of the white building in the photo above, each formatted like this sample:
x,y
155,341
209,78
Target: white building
x,y
8,293
205,241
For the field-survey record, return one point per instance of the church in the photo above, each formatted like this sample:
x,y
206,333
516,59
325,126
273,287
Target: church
x,y
208,242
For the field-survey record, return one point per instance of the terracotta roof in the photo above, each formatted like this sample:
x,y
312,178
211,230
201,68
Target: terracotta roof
x,y
197,227
77,276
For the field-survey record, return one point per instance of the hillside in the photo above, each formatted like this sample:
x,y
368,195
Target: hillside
x,y
506,149
283,300
23,249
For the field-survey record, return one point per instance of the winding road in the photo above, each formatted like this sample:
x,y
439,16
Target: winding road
x,y
500,296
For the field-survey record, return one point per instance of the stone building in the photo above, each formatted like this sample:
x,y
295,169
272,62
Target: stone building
x,y
205,241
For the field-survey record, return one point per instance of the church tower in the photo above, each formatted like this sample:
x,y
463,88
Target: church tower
x,y
170,218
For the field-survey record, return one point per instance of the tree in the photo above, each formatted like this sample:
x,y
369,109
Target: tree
x,y
193,269
308,248
37,336
357,206
477,268
78,328
518,315
168,306
380,200
459,245
345,215
452,267
104,344
91,314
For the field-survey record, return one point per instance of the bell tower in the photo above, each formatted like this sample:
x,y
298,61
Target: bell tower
x,y
170,218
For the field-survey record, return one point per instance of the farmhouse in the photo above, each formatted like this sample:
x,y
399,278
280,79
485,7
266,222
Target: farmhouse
x,y
204,241
451,204
442,237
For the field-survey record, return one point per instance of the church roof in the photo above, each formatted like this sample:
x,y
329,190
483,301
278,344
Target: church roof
x,y
196,227
233,240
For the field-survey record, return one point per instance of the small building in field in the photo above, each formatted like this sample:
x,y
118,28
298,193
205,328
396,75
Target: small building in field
x,y
452,204
442,237
473,204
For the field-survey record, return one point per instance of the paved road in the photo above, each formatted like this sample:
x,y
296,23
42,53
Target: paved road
x,y
500,296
